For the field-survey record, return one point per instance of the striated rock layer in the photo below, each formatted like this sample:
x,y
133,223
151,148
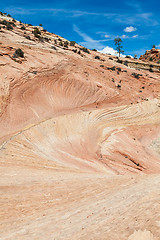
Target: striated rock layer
x,y
79,142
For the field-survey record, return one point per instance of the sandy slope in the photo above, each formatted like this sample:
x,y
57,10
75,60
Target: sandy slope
x,y
79,144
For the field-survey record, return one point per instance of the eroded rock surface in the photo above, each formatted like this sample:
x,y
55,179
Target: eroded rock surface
x,y
79,136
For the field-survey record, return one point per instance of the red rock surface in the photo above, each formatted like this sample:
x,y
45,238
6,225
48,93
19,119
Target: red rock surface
x,y
80,140
151,55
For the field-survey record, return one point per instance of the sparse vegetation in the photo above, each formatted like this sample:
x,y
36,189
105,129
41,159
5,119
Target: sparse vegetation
x,y
28,37
97,57
151,59
66,44
72,43
36,31
85,50
74,50
119,61
23,27
119,69
9,26
53,47
18,53
136,75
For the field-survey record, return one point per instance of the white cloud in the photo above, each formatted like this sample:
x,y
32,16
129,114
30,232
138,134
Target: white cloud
x,y
135,36
158,46
107,36
109,50
130,29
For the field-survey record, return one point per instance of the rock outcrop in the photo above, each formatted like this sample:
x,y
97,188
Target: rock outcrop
x,y
152,55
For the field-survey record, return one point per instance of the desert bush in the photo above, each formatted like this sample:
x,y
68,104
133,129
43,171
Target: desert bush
x,y
36,31
97,57
85,50
53,47
9,27
23,27
46,39
119,61
66,44
28,37
72,43
136,75
151,59
119,69
18,53
95,50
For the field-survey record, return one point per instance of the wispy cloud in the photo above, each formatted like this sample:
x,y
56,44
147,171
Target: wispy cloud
x,y
143,17
88,41
125,36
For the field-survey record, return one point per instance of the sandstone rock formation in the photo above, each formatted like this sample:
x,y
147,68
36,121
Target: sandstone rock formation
x,y
79,141
151,55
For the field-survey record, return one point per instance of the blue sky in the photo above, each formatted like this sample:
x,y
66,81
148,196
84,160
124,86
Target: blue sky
x,y
94,24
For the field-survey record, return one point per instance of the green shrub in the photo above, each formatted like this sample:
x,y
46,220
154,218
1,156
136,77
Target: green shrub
x,y
97,57
72,43
23,27
85,50
28,37
66,44
151,59
18,53
36,31
9,27
119,61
